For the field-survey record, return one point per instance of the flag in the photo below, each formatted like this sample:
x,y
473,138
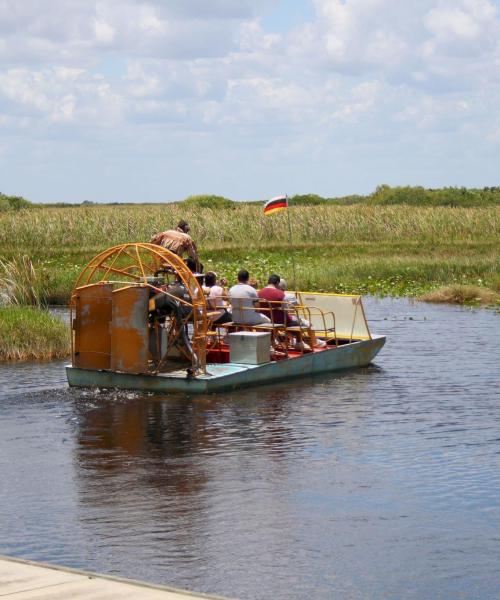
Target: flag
x,y
275,204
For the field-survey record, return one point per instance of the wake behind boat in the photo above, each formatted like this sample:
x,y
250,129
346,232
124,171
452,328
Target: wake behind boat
x,y
140,320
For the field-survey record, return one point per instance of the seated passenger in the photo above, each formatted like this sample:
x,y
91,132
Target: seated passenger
x,y
289,302
215,299
289,298
272,300
243,298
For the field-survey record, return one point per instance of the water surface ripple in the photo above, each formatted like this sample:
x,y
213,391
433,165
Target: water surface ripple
x,y
381,483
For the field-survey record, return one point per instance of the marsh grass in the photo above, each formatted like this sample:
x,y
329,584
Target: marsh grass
x,y
396,250
28,333
462,294
20,284
63,229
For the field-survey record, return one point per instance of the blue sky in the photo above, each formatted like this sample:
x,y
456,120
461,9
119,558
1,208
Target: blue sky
x,y
132,100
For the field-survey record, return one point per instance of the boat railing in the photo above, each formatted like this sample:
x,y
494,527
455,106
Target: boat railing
x,y
323,322
287,321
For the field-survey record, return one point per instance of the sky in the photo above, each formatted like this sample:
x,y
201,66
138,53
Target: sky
x,y
157,100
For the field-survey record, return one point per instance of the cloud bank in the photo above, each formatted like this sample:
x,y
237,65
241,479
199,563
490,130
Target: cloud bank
x,y
131,100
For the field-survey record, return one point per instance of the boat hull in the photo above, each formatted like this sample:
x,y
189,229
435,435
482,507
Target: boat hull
x,y
223,377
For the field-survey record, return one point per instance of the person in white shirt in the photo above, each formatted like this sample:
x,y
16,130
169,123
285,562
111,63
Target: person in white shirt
x,y
215,299
243,298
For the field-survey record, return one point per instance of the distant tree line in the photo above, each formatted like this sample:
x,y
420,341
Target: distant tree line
x,y
13,202
449,196
410,195
383,195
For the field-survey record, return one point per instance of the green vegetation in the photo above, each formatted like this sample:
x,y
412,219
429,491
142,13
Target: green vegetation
x,y
13,203
461,294
28,333
381,249
54,232
315,200
20,284
383,195
440,245
208,201
419,196
27,330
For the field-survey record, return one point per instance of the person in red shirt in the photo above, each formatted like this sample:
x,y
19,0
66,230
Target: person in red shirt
x,y
271,301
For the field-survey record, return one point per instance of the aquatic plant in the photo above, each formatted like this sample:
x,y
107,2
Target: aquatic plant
x,y
20,284
28,333
462,294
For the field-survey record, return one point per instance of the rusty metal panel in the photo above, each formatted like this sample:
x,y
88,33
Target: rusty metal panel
x,y
91,326
129,330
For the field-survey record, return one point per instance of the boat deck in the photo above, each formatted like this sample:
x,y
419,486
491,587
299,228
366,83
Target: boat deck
x,y
27,580
222,368
224,376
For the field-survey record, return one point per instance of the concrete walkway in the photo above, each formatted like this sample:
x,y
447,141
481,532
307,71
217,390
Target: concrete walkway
x,y
27,580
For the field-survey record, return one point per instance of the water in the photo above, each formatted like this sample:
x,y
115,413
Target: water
x,y
380,483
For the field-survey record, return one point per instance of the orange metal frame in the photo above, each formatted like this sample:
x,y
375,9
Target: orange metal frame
x,y
133,264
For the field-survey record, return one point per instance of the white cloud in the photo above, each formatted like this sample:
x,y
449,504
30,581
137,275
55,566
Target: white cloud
x,y
423,44
60,94
205,74
465,27
79,31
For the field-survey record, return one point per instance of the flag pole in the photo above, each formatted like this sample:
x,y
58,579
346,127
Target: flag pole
x,y
291,244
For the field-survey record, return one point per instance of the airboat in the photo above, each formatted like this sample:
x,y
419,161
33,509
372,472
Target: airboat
x,y
140,320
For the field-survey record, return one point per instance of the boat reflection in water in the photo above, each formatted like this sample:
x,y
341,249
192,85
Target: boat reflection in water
x,y
169,488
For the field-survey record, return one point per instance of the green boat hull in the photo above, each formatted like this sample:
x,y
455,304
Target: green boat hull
x,y
229,376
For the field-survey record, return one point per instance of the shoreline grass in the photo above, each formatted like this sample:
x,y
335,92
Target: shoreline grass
x,y
20,284
462,294
28,333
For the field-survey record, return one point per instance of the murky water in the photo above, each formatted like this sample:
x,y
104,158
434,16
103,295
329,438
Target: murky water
x,y
381,483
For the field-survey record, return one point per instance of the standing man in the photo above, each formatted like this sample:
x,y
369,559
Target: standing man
x,y
178,241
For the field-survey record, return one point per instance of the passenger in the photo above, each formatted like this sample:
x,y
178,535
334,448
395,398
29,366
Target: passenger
x,y
289,298
179,242
290,301
243,298
223,283
215,299
272,300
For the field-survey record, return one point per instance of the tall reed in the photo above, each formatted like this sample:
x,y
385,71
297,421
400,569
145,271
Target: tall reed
x,y
27,333
20,284
62,230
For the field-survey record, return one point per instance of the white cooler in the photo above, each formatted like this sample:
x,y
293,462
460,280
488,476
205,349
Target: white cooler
x,y
249,347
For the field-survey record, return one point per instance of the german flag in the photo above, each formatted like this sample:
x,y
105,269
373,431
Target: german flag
x,y
275,204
